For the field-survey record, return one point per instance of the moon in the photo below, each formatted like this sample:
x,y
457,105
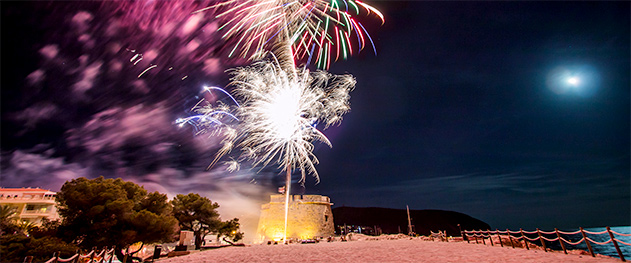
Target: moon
x,y
579,80
573,81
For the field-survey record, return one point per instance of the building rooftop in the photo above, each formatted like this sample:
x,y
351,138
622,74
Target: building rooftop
x,y
27,189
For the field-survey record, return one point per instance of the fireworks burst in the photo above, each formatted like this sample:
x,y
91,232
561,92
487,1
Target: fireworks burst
x,y
279,113
281,104
312,28
218,120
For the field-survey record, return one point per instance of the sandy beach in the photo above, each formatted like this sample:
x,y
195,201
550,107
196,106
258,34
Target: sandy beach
x,y
400,250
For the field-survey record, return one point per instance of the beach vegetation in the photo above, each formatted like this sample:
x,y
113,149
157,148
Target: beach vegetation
x,y
229,230
16,247
104,212
8,220
197,214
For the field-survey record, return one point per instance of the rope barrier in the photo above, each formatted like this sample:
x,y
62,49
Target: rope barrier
x,y
595,233
103,256
622,242
86,255
550,240
570,233
107,259
531,239
599,243
68,259
573,244
621,234
521,235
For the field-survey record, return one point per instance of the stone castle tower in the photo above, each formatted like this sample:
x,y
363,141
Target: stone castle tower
x,y
310,216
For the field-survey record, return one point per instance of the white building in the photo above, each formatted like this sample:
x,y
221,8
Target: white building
x,y
33,204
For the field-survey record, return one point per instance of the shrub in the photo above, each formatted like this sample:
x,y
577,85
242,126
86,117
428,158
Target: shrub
x,y
16,247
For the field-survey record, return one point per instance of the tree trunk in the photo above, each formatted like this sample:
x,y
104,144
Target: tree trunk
x,y
229,242
198,240
130,258
119,254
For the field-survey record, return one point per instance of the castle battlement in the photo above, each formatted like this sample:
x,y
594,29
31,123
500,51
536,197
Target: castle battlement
x,y
301,198
309,216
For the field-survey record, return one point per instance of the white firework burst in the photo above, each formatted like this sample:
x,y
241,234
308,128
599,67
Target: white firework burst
x,y
279,113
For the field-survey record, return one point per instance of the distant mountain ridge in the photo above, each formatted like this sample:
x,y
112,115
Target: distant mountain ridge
x,y
391,220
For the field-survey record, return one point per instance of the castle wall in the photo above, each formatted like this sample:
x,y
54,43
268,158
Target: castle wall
x,y
309,216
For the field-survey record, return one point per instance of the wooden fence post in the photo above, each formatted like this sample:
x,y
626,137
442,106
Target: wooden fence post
x,y
591,251
462,233
28,259
613,240
93,254
490,236
113,254
76,259
466,236
476,237
499,236
510,237
56,257
524,237
482,234
104,254
560,240
543,242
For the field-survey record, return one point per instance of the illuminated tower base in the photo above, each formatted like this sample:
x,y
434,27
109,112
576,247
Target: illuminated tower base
x,y
310,217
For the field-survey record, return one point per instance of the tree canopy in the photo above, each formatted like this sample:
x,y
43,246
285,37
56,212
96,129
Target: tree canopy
x,y
105,212
196,213
230,229
111,212
16,247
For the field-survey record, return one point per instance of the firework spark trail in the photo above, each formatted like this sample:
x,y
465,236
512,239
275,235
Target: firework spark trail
x,y
278,114
281,104
323,23
280,111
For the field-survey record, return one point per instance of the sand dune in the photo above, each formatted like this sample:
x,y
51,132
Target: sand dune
x,y
384,250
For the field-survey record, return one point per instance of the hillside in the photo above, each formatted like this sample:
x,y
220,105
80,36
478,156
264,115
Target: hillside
x,y
391,220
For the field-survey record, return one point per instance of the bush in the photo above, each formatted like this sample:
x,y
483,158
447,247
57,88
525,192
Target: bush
x,y
16,247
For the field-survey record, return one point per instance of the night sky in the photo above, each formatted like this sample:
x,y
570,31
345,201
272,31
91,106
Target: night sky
x,y
466,107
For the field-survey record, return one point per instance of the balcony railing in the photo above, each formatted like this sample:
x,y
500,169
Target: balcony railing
x,y
36,212
27,198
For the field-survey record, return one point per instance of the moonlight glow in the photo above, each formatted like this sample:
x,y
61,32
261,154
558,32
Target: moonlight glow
x,y
578,80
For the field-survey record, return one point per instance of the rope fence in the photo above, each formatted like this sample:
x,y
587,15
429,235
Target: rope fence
x,y
521,235
105,256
